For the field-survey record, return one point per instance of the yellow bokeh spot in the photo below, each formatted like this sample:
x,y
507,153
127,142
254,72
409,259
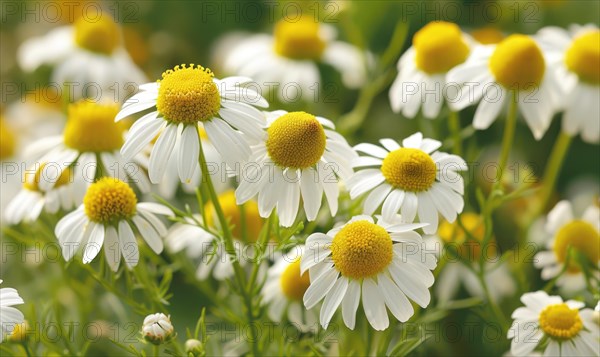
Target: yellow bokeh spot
x,y
361,249
19,332
32,179
299,39
581,236
252,219
487,35
296,140
517,63
560,321
91,127
409,169
188,95
583,57
294,284
454,235
439,46
101,36
109,200
7,140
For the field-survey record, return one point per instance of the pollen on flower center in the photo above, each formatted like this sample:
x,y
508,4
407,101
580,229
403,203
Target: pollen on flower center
x,y
101,36
109,200
517,63
32,179
7,141
294,284
299,39
560,321
581,236
296,140
91,127
583,57
252,220
361,249
409,169
439,46
188,95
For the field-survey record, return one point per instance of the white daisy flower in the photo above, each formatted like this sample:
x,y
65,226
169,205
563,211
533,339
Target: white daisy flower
x,y
568,330
205,247
106,217
578,71
437,48
9,316
28,204
582,235
300,155
88,52
384,260
186,100
291,55
284,288
493,73
412,178
157,328
90,145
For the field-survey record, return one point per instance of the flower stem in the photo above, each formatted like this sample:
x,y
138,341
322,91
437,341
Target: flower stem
x,y
509,135
555,163
454,125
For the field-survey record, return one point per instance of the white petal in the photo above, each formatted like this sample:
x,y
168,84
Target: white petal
x,y
93,246
129,248
112,249
312,193
374,305
188,153
318,289
161,152
333,300
395,300
392,205
372,150
149,234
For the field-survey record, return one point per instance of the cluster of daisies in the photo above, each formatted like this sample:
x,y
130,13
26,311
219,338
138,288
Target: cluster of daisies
x,y
193,130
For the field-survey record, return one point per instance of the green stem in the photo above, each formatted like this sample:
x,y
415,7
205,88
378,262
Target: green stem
x,y
555,163
454,125
509,135
261,246
488,296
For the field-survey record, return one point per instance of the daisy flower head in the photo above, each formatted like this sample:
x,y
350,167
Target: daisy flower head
x,y
10,317
411,178
187,99
31,200
300,155
284,288
291,56
90,51
437,48
383,262
203,245
109,212
578,55
568,329
516,69
573,242
90,145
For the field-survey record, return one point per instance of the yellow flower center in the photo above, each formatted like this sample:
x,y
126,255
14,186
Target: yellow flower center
x,y
294,284
454,235
298,40
560,321
409,169
487,35
296,140
109,200
583,57
439,46
100,36
252,220
32,179
19,332
91,127
7,140
581,236
188,95
518,63
361,249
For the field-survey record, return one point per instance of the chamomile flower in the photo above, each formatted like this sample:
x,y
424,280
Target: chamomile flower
x,y
581,236
31,200
10,317
284,288
188,99
291,56
383,262
300,155
579,72
493,74
569,330
437,48
87,54
204,246
90,145
109,211
157,328
412,178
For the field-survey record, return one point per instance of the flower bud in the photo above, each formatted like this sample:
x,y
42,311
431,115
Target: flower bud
x,y
194,347
157,328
